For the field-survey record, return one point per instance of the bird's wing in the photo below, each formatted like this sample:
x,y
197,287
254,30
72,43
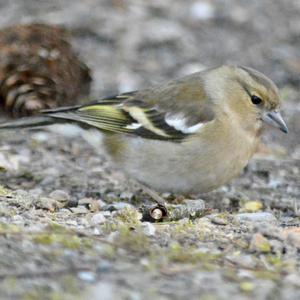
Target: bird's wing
x,y
151,113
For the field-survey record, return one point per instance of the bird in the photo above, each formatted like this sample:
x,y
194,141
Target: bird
x,y
39,69
188,136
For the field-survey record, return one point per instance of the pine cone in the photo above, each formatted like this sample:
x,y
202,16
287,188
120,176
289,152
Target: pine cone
x,y
39,69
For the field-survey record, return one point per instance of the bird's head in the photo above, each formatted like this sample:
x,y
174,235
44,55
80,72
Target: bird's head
x,y
252,97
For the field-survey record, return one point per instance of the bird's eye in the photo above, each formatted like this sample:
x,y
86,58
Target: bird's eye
x,y
256,100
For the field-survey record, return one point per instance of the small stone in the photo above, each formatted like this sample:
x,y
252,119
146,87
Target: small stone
x,y
202,10
126,196
98,218
89,203
107,290
195,205
79,210
87,276
117,206
253,206
220,219
242,261
104,266
259,244
46,203
101,203
293,279
255,217
72,222
292,236
96,231
246,286
149,229
40,137
61,197
4,192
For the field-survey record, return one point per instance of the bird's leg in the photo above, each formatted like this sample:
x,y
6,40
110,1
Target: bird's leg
x,y
155,196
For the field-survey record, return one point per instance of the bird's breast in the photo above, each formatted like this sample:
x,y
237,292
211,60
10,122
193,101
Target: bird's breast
x,y
195,166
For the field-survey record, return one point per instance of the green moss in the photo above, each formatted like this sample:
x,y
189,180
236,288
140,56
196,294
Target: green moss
x,y
31,176
134,241
247,287
69,241
129,216
274,260
53,295
4,192
189,254
183,227
9,228
231,275
72,242
56,228
44,239
109,252
267,275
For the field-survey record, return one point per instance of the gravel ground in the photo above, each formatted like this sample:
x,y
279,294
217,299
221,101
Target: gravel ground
x,y
70,224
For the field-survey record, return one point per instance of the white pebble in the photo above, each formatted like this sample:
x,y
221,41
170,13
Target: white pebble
x,y
87,276
202,10
98,218
149,229
256,217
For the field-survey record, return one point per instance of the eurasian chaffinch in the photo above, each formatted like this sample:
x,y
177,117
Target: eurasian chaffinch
x,y
190,135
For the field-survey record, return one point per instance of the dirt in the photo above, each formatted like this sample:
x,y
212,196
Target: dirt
x,y
70,224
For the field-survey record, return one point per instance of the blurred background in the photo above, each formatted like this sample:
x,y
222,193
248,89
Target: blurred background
x,y
131,43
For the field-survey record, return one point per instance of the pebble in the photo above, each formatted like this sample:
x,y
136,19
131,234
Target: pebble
x,y
293,279
148,229
96,231
104,266
87,276
101,203
60,195
72,222
202,11
117,206
161,31
259,243
40,137
98,218
253,206
79,210
219,219
255,217
126,196
292,236
46,203
246,286
89,203
243,261
107,290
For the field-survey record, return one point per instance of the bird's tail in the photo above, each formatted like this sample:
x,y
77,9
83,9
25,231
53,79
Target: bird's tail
x,y
28,122
46,117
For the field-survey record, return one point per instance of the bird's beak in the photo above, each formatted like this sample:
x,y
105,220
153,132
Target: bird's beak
x,y
275,119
